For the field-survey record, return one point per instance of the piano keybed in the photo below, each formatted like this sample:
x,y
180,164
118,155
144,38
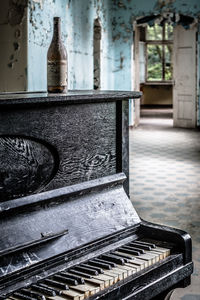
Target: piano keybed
x,y
88,278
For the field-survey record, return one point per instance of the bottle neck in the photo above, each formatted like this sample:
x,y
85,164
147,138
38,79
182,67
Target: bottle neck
x,y
57,30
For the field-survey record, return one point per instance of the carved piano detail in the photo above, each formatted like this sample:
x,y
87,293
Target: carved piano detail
x,y
26,166
68,229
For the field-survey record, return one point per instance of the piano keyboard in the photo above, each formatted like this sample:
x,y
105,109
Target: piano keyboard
x,y
94,275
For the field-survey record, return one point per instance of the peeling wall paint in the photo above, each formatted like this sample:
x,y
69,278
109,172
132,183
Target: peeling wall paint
x,y
77,32
125,12
29,31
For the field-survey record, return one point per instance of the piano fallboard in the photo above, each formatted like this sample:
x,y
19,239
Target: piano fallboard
x,y
69,219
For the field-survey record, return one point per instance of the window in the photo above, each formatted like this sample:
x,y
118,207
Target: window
x,y
159,41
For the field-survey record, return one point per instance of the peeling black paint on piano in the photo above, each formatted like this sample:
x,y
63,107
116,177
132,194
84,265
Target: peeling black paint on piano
x,y
84,137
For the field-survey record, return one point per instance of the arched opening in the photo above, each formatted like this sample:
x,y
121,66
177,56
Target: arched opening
x,y
165,47
96,55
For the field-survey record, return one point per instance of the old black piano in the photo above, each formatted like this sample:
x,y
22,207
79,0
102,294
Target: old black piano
x,y
68,228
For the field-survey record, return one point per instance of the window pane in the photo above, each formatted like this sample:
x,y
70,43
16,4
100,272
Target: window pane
x,y
154,32
154,66
168,62
168,32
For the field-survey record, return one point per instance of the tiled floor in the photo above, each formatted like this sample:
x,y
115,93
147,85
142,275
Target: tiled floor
x,y
165,181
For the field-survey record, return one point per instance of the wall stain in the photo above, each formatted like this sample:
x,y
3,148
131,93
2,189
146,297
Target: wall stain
x,y
16,11
40,2
121,5
11,64
17,33
16,46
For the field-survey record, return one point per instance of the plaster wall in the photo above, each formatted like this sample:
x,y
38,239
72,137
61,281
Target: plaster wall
x,y
13,45
77,32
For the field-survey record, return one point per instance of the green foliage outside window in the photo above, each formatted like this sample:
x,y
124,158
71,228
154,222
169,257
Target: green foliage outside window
x,y
159,55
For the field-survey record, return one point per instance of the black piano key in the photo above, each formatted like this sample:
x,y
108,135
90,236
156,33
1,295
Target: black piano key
x,y
99,270
128,251
113,258
86,270
65,279
125,258
32,294
147,244
56,284
23,297
112,264
144,247
74,272
78,278
43,290
58,292
135,248
99,264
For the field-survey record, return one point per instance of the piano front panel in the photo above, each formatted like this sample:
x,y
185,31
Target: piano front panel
x,y
79,142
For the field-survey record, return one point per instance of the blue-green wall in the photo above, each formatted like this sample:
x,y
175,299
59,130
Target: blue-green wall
x,y
116,18
77,31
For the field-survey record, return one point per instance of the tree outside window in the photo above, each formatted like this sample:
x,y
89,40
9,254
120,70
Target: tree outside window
x,y
159,40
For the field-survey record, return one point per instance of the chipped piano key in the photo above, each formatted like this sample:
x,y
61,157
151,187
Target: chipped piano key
x,y
55,290
86,288
85,270
79,279
99,283
110,263
21,296
126,250
32,294
112,258
99,264
65,279
99,270
108,280
56,284
45,291
146,243
74,272
144,247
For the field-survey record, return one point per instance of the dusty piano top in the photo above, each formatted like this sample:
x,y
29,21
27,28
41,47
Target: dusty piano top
x,y
71,97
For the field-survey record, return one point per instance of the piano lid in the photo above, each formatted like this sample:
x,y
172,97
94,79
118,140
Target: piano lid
x,y
41,226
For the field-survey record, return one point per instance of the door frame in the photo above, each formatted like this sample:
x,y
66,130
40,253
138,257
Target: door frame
x,y
136,81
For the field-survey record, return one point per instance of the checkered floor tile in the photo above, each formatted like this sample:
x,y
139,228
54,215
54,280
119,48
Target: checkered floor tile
x,y
165,182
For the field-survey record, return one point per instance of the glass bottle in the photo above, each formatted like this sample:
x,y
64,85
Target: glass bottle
x,y
57,62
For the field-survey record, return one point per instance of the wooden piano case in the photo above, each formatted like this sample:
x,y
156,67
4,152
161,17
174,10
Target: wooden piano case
x,y
64,170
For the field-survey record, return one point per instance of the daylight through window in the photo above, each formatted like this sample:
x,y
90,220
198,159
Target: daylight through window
x,y
159,41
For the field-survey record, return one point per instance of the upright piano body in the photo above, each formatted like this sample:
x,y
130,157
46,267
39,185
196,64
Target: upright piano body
x,y
64,174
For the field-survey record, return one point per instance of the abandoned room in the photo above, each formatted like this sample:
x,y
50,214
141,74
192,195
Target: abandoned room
x,y
100,149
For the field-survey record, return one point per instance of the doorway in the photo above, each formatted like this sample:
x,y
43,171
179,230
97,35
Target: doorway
x,y
166,71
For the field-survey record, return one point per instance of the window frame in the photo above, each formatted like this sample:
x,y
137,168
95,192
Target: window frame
x,y
161,42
